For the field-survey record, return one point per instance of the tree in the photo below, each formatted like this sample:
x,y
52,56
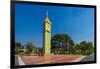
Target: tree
x,y
29,47
77,49
18,48
88,48
62,42
17,45
84,48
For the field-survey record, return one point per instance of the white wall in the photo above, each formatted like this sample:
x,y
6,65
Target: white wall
x,y
5,34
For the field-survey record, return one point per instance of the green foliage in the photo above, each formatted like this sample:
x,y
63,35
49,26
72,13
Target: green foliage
x,y
87,48
60,44
19,52
29,48
84,48
17,45
63,44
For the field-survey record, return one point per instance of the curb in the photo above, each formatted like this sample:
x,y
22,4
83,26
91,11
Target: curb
x,y
20,61
79,59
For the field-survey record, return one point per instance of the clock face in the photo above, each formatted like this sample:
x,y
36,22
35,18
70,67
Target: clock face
x,y
48,27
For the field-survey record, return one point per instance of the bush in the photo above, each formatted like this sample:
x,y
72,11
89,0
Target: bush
x,y
18,52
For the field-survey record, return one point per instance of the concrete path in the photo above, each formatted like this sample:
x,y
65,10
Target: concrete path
x,y
88,58
18,61
79,59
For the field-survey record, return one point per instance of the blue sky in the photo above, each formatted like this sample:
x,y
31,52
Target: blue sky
x,y
74,21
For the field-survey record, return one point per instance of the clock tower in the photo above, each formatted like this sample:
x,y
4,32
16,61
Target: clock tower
x,y
47,36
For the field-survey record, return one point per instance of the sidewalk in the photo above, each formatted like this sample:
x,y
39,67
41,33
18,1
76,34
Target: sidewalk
x,y
78,59
19,60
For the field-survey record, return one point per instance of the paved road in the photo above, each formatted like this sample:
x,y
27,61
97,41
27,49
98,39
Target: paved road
x,y
16,61
88,58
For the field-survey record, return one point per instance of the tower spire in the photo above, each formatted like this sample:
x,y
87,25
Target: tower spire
x,y
47,13
47,18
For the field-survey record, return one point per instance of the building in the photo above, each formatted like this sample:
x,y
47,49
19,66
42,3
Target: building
x,y
47,36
